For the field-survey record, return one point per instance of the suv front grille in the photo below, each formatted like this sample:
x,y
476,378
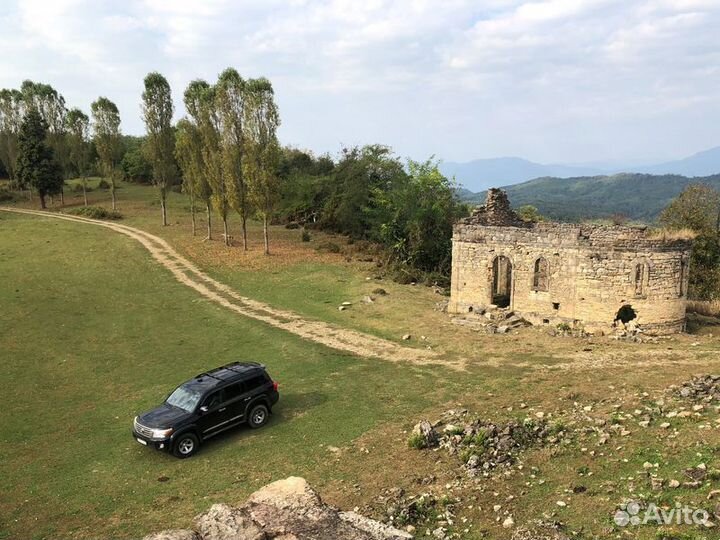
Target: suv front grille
x,y
143,430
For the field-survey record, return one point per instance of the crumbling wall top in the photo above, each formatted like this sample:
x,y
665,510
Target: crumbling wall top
x,y
496,212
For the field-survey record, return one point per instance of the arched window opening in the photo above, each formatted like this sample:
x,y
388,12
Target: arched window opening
x,y
540,275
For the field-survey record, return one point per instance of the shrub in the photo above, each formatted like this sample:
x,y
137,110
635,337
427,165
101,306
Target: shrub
x,y
103,184
77,188
564,327
6,195
330,247
417,441
95,212
305,235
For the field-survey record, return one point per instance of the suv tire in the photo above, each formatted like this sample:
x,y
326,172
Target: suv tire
x,y
186,445
258,416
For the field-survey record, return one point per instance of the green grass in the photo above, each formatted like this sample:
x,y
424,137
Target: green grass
x,y
93,332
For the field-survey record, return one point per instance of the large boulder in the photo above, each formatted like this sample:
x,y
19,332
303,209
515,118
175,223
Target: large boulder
x,y
284,510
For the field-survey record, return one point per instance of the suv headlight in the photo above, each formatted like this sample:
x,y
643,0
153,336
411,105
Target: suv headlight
x,y
162,433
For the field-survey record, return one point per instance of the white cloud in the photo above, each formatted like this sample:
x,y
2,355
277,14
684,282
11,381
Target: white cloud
x,y
551,79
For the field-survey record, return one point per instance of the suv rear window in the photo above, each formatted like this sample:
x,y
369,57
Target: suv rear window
x,y
253,382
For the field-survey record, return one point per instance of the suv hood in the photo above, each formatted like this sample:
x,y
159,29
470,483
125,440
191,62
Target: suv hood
x,y
164,416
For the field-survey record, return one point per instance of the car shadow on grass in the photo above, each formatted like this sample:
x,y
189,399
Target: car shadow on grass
x,y
290,407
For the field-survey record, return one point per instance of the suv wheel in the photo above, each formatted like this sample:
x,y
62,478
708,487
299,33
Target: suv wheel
x,y
258,416
186,445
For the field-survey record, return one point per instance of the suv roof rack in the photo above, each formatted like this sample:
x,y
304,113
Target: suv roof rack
x,y
235,367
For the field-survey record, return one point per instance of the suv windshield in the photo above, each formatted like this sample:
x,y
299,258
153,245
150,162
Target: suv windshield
x,y
184,398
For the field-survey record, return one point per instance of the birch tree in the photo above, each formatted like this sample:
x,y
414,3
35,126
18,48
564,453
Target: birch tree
x,y
157,107
108,139
230,98
78,128
262,151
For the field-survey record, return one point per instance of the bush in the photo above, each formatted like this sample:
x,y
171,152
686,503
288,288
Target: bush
x,y
416,441
305,236
330,247
96,212
6,196
77,188
292,225
103,184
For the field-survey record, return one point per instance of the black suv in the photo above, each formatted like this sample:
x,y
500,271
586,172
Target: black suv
x,y
206,405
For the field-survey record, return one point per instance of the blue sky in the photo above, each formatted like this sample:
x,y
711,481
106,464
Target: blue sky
x,y
550,80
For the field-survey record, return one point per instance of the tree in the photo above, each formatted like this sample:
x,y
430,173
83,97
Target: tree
x,y
160,143
78,128
230,102
698,208
221,184
262,151
417,213
192,161
529,213
36,166
11,116
188,152
108,139
51,105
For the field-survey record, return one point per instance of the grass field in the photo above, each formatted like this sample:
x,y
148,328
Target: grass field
x,y
93,331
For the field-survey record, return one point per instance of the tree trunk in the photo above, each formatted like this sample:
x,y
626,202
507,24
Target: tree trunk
x,y
209,225
244,231
112,194
84,184
62,196
265,234
42,202
163,209
192,213
227,238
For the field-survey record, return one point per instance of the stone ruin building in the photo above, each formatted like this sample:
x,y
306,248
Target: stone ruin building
x,y
593,276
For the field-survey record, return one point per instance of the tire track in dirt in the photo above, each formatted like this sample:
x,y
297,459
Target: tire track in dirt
x,y
190,275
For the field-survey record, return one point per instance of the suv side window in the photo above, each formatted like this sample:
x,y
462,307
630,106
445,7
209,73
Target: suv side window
x,y
213,400
233,391
254,382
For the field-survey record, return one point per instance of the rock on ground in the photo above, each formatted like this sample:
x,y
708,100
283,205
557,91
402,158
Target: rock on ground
x,y
284,510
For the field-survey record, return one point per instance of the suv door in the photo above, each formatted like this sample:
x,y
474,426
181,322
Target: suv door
x,y
235,399
214,418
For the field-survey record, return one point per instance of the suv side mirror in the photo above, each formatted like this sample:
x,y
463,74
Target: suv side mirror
x,y
204,409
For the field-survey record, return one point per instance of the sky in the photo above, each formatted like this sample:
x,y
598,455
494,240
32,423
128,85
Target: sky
x,y
568,81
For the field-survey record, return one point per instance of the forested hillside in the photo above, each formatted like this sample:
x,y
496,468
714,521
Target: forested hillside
x,y
637,196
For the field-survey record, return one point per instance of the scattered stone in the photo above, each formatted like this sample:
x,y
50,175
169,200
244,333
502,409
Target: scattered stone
x,y
379,291
509,523
674,484
406,337
174,534
342,308
367,299
346,304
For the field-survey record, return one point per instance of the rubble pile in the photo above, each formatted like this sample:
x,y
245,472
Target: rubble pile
x,y
484,445
492,320
704,388
425,513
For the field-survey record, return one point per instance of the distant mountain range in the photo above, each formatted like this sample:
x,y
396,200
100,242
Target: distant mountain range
x,y
481,174
636,196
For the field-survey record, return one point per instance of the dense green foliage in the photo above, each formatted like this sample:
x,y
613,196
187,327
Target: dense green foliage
x,y
370,194
637,196
134,164
698,208
36,164
96,212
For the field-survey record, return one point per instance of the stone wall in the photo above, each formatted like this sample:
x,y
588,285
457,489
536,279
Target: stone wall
x,y
589,272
